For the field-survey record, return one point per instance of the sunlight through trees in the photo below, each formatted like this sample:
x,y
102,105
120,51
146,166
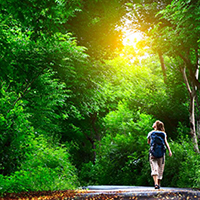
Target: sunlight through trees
x,y
80,90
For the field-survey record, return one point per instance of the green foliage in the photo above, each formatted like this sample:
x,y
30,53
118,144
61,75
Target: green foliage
x,y
44,168
136,83
14,130
33,97
182,169
122,159
44,103
42,17
53,94
95,27
180,29
122,121
121,152
142,14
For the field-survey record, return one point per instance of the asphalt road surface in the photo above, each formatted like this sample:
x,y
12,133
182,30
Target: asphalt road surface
x,y
137,192
109,192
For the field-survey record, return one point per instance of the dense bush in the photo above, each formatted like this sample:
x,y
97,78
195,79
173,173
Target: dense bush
x,y
122,158
182,169
122,153
46,168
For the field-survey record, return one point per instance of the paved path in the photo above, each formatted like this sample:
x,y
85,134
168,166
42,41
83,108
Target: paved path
x,y
109,192
137,192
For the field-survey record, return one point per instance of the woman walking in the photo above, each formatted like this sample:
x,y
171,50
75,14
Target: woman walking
x,y
157,140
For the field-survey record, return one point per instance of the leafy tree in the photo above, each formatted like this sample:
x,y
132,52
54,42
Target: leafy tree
x,y
33,91
142,87
121,151
174,32
182,45
53,93
95,27
128,86
43,18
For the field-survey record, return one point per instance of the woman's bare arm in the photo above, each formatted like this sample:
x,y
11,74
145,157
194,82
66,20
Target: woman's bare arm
x,y
168,147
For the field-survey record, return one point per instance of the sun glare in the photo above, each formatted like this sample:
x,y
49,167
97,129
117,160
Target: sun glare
x,y
131,38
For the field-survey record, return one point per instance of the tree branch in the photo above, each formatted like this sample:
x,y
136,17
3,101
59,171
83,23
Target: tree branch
x,y
197,58
183,70
192,73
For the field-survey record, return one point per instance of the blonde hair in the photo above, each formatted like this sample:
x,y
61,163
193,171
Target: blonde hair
x,y
159,126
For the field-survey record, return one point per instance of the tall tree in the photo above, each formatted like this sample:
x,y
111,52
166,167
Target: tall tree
x,y
175,33
183,44
34,54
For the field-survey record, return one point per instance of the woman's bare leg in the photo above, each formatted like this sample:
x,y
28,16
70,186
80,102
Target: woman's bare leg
x,y
155,178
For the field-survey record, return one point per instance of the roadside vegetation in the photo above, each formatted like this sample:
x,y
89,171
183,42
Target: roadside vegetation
x,y
77,102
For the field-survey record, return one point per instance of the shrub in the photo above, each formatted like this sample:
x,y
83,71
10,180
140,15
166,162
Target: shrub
x,y
122,153
182,169
122,157
46,168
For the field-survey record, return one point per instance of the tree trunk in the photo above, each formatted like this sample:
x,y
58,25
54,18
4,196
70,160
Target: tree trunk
x,y
192,95
192,122
94,136
163,66
198,129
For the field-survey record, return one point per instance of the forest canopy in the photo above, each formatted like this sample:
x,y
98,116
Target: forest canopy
x,y
77,101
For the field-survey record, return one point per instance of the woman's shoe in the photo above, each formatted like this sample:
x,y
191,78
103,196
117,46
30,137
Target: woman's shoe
x,y
157,186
